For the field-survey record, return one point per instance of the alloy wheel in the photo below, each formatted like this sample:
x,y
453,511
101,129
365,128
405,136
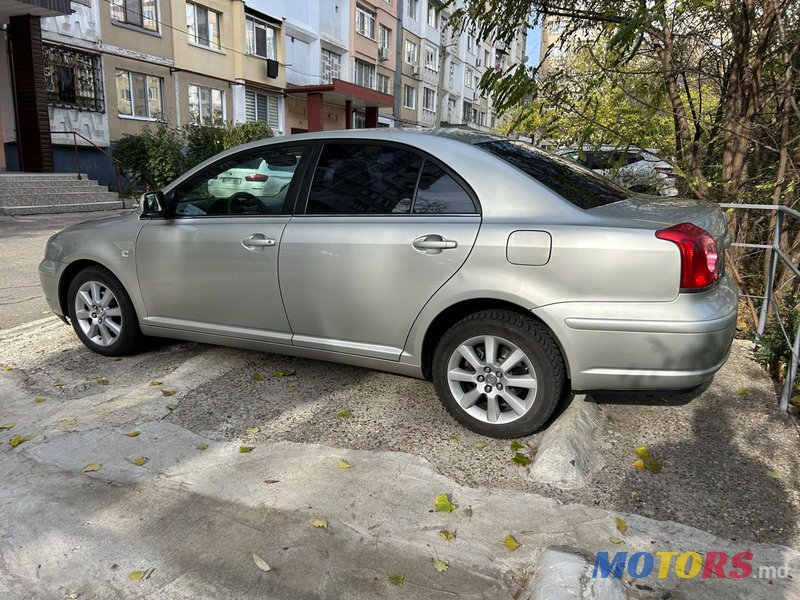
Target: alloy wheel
x,y
98,313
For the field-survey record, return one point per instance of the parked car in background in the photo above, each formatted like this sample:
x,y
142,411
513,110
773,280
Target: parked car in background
x,y
634,168
506,275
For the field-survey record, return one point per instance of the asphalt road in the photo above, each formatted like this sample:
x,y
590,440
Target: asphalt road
x,y
22,242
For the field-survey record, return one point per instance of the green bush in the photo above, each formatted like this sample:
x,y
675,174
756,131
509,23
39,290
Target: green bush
x,y
165,154
202,142
131,151
242,133
772,350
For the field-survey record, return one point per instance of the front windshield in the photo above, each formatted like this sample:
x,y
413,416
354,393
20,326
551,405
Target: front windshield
x,y
583,187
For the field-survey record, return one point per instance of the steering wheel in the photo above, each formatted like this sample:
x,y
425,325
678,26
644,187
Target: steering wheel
x,y
242,203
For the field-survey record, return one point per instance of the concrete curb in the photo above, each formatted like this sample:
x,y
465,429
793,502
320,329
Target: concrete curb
x,y
565,574
567,456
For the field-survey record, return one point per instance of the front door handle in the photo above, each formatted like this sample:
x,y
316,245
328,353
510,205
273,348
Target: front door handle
x,y
433,244
257,242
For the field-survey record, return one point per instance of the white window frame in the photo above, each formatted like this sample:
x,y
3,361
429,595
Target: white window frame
x,y
147,79
200,103
369,69
255,94
431,57
335,73
411,47
365,22
406,89
433,16
384,37
468,74
426,93
194,36
412,9
252,26
387,89
470,43
120,12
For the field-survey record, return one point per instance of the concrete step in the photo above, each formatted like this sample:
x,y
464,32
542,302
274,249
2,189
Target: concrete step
x,y
54,197
47,184
16,176
62,208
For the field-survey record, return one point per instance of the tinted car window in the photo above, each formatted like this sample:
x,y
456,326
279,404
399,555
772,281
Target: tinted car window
x,y
438,193
582,187
363,179
249,184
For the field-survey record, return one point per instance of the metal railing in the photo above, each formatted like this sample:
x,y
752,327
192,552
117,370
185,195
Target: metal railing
x,y
768,299
117,164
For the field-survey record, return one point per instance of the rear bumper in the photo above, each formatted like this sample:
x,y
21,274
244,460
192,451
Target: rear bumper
x,y
645,346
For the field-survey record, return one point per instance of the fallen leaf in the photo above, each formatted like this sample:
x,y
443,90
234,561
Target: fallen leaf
x,y
447,535
343,464
8,425
92,467
101,381
318,522
638,464
468,511
167,393
69,422
278,374
375,526
622,526
136,575
795,400
261,563
642,452
202,446
440,565
106,412
133,433
73,596
172,406
257,377
271,481
517,445
345,414
59,383
38,399
246,449
443,504
774,474
653,466
521,459
479,444
742,391
291,389
455,438
511,543
615,540
397,579
16,441
7,367
253,429
156,383
139,461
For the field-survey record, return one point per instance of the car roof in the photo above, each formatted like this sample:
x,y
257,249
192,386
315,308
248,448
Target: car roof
x,y
388,133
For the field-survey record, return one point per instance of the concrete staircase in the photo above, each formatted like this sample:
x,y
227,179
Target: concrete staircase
x,y
48,193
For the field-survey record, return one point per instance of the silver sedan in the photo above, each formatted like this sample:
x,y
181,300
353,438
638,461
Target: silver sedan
x,y
506,275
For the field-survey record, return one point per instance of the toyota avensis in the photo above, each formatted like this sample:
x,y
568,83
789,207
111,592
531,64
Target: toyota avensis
x,y
506,275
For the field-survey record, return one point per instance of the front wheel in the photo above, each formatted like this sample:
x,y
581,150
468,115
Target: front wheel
x,y
102,313
499,373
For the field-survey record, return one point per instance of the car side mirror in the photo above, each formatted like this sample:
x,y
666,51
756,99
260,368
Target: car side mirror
x,y
152,204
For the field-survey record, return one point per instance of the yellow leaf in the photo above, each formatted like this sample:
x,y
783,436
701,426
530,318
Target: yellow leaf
x,y
257,377
59,383
38,399
638,464
7,367
443,504
291,389
172,406
774,474
642,452
133,433
106,412
653,466
136,575
246,449
253,429
69,422
615,540
397,578
455,438
742,391
139,460
167,393
622,526
15,441
278,374
8,425
345,414
343,464
517,445
261,563
317,522
521,459
446,535
92,467
511,543
202,446
479,444
440,565
156,383
101,381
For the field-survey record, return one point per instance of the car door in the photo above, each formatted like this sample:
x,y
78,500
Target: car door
x,y
381,229
213,266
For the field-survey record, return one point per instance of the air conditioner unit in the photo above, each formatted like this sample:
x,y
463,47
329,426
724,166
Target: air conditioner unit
x,y
383,54
415,70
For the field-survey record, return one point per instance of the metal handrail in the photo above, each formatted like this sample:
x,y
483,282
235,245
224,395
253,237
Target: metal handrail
x,y
116,161
776,254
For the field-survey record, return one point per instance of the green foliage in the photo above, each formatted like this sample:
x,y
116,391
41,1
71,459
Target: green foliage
x,y
131,151
165,155
242,133
202,142
773,351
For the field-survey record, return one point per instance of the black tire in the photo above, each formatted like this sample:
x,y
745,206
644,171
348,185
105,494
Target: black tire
x,y
540,350
130,338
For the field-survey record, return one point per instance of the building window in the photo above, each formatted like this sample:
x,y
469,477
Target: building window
x,y
470,43
202,25
384,84
486,58
433,16
73,78
429,100
141,13
467,111
262,107
364,74
385,39
451,82
482,118
410,97
431,57
365,22
139,95
331,66
412,7
411,52
206,105
468,73
260,39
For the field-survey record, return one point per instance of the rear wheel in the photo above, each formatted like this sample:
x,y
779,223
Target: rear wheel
x,y
499,373
102,313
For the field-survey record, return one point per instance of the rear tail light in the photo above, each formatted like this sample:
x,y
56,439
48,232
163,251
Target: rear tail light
x,y
700,264
668,171
256,177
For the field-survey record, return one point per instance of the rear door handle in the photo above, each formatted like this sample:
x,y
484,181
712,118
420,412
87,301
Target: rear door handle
x,y
433,244
257,242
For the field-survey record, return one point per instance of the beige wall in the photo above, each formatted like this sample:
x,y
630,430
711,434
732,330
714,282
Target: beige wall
x,y
190,57
297,117
136,40
253,69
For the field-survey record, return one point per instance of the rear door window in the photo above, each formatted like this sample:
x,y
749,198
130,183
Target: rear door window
x,y
438,193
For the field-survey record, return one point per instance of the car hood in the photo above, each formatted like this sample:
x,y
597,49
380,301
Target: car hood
x,y
660,211
114,220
